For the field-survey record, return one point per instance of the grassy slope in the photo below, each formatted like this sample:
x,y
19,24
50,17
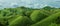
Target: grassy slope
x,y
29,17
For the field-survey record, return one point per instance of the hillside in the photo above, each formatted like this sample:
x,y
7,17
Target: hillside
x,y
24,16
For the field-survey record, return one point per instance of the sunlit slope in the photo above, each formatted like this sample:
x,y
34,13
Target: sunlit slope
x,y
22,16
47,21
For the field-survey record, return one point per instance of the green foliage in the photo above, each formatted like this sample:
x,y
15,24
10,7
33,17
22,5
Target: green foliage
x,y
48,8
37,16
20,21
53,24
24,16
48,20
28,13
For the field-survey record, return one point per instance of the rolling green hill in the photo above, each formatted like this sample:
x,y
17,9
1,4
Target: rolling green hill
x,y
24,16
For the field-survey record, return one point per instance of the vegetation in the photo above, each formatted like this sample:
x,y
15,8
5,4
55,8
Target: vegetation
x,y
24,16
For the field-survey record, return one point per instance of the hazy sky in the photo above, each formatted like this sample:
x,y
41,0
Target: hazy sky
x,y
29,3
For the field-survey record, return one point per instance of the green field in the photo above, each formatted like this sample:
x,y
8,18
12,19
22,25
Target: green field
x,y
24,16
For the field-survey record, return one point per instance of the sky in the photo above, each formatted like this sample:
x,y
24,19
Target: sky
x,y
29,3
